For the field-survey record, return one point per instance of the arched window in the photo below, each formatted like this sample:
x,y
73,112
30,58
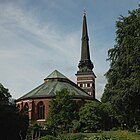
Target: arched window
x,y
26,108
41,110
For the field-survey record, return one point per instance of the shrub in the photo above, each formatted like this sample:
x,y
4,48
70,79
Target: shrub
x,y
101,137
77,137
48,137
71,137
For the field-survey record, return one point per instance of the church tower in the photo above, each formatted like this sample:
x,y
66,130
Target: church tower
x,y
85,74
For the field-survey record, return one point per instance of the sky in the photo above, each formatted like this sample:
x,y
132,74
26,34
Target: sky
x,y
40,36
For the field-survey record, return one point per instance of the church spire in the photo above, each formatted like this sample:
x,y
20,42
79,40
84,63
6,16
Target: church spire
x,y
85,63
85,75
85,45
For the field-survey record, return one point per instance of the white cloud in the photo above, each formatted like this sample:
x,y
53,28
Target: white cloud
x,y
100,83
30,49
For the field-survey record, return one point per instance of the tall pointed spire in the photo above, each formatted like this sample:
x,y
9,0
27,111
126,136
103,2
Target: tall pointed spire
x,y
85,45
85,75
85,63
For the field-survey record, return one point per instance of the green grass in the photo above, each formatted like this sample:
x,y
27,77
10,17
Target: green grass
x,y
119,135
105,135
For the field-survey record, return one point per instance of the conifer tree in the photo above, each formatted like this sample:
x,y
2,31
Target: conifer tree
x,y
123,78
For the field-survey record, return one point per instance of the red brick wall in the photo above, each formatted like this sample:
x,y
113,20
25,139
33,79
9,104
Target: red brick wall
x,y
33,107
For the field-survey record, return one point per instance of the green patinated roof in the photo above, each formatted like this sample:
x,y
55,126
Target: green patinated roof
x,y
56,74
49,88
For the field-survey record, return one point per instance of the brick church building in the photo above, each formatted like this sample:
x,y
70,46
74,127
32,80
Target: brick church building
x,y
36,102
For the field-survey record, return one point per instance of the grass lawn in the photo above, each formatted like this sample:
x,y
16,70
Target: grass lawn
x,y
105,135
120,135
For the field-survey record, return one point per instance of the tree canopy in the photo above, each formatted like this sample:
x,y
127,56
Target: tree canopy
x,y
90,117
4,95
123,78
94,116
12,123
62,111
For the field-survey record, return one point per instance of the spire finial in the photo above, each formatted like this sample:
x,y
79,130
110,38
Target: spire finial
x,y
85,12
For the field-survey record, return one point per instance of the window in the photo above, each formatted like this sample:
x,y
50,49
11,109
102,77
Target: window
x,y
88,84
41,110
89,93
81,85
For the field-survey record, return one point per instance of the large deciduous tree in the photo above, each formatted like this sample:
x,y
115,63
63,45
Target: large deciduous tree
x,y
4,95
62,111
123,78
11,122
94,116
90,118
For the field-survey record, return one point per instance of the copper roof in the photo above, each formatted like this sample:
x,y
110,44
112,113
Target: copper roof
x,y
53,83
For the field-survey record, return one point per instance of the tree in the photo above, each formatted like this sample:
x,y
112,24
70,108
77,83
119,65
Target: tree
x,y
4,95
107,115
94,116
62,111
10,119
123,86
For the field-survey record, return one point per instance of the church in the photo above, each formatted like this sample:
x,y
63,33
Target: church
x,y
36,102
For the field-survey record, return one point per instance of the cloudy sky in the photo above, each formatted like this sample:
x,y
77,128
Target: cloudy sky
x,y
39,36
